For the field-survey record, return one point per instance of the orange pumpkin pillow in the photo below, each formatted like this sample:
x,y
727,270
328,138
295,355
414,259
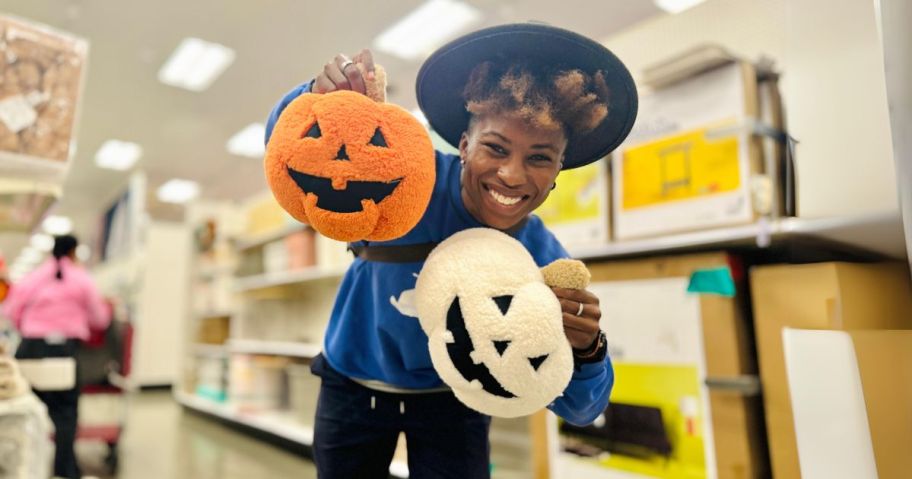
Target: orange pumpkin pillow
x,y
352,168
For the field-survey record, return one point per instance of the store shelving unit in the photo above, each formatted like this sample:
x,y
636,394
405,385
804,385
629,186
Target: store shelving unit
x,y
285,278
277,348
263,238
281,425
878,233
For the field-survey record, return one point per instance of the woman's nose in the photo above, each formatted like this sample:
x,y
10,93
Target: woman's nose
x,y
512,172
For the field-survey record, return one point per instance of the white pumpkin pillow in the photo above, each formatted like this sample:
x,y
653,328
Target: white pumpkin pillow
x,y
494,327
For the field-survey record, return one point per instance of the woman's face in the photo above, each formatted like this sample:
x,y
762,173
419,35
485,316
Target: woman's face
x,y
509,168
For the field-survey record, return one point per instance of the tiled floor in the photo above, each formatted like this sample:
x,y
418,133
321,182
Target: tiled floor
x,y
164,442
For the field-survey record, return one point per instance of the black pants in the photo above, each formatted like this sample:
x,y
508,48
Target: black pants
x,y
63,406
357,428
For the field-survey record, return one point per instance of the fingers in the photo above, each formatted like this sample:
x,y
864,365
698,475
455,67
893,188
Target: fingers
x,y
578,295
352,74
323,85
366,58
580,331
572,307
340,74
333,71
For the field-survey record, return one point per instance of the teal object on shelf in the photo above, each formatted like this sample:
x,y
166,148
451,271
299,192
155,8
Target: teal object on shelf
x,y
712,281
212,394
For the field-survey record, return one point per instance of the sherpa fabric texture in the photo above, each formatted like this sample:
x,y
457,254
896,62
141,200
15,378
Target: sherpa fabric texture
x,y
495,330
352,168
567,274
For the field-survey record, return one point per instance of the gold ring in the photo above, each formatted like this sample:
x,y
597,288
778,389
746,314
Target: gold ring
x,y
579,312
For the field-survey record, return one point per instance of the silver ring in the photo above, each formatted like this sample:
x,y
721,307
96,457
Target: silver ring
x,y
345,64
579,312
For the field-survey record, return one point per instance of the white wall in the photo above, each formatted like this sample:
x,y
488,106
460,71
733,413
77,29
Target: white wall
x,y
832,83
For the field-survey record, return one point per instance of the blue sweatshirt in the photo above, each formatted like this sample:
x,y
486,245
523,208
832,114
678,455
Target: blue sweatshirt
x,y
373,333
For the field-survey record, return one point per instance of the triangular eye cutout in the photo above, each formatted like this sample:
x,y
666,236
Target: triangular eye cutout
x,y
537,362
313,132
503,302
378,139
501,346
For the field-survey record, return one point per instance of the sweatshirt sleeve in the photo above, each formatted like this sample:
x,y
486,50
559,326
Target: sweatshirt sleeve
x,y
280,107
590,386
99,312
587,394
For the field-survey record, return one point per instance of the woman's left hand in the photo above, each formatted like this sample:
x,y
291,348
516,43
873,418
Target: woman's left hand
x,y
581,329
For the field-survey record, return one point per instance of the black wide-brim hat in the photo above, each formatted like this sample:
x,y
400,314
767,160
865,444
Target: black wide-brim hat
x,y
443,77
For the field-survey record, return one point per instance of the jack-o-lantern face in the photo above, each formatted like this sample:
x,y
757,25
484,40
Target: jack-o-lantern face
x,y
494,328
352,168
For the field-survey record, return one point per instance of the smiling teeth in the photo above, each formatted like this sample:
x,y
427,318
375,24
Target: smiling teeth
x,y
505,200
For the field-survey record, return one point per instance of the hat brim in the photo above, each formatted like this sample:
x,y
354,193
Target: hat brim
x,y
443,76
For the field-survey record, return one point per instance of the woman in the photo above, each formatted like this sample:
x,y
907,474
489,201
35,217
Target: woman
x,y
521,103
54,308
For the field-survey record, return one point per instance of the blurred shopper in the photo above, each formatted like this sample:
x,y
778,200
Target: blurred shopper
x,y
54,308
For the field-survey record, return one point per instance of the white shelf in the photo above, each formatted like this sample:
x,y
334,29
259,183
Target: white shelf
x,y
208,271
15,165
216,350
278,348
275,423
268,280
880,233
214,313
259,240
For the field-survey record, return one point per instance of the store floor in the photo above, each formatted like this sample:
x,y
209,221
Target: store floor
x,y
162,441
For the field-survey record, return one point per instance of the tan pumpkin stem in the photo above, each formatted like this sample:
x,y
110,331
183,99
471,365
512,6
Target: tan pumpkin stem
x,y
376,90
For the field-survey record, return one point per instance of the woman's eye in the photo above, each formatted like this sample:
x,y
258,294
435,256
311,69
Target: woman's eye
x,y
496,148
540,158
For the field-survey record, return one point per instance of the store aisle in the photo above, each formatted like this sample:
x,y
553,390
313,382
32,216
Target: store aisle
x,y
164,442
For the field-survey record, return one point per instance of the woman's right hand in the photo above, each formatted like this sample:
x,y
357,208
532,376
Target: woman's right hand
x,y
341,73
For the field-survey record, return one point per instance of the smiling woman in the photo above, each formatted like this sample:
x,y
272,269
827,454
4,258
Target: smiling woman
x,y
516,127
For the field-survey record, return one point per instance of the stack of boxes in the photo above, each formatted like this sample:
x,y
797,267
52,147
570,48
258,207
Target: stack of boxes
x,y
41,77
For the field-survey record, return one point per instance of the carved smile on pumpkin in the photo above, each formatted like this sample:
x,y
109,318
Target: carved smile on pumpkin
x,y
461,348
347,200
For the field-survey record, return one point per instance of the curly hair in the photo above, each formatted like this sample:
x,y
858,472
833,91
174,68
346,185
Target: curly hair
x,y
568,99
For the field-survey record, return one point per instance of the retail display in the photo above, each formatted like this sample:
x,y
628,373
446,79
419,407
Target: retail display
x,y
696,158
685,402
39,95
495,329
824,296
351,167
26,451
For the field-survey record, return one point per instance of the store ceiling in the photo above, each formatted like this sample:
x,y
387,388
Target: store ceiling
x,y
279,43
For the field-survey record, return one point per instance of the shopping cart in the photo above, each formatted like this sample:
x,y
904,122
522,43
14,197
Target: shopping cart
x,y
104,363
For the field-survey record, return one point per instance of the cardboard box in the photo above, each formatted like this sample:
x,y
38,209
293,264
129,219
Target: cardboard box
x,y
829,296
302,249
578,210
41,76
851,393
695,159
213,330
682,319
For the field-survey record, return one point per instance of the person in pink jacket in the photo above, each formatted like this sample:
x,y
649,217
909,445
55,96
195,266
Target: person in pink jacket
x,y
54,308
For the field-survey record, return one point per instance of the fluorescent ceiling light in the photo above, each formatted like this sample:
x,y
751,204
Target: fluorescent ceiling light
x,y
29,256
57,225
195,64
42,242
178,191
419,115
248,142
426,28
118,155
676,6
